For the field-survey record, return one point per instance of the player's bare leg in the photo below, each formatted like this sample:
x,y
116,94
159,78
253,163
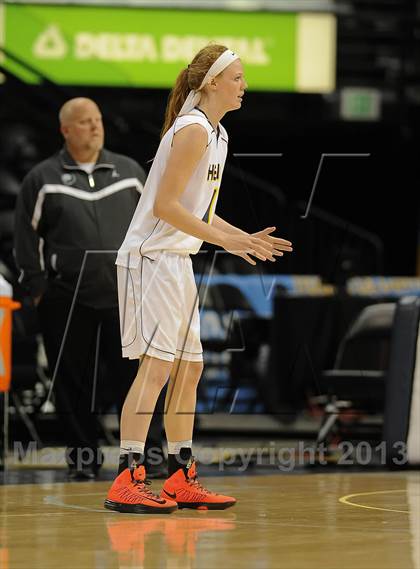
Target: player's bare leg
x,y
141,400
182,484
129,492
181,397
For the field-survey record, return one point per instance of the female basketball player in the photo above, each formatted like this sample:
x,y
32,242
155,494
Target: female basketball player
x,y
157,292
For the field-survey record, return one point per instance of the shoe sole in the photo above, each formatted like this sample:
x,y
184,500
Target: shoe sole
x,y
205,505
137,508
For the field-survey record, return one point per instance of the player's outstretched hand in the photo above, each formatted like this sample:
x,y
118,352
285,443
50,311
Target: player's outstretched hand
x,y
279,244
244,245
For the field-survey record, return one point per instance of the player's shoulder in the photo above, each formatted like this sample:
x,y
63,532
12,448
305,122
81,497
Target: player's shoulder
x,y
195,122
194,129
192,133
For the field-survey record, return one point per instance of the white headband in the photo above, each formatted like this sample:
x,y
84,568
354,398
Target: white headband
x,y
218,66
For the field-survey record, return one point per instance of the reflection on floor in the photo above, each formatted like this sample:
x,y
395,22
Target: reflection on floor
x,y
336,520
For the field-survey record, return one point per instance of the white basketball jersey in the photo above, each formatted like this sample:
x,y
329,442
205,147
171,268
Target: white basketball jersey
x,y
148,233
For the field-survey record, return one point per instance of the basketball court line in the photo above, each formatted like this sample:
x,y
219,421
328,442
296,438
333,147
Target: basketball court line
x,y
57,501
346,500
54,501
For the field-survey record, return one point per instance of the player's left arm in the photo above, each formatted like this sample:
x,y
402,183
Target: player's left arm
x,y
279,244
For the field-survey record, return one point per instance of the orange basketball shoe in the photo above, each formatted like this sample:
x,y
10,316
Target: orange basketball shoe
x,y
189,493
129,494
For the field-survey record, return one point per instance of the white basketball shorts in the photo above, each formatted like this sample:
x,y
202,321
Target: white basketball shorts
x,y
158,306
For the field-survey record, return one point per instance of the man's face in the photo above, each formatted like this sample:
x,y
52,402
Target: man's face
x,y
83,129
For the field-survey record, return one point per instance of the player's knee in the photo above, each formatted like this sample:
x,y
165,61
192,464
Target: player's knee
x,y
195,371
156,373
199,367
157,379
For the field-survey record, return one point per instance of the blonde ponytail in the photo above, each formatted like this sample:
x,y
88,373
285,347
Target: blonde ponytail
x,y
176,99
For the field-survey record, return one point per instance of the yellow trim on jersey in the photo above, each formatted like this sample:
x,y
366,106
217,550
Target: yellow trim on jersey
x,y
212,205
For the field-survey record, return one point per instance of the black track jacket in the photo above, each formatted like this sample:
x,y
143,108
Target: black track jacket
x,y
70,224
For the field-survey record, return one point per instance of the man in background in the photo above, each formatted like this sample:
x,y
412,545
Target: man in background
x,y
71,217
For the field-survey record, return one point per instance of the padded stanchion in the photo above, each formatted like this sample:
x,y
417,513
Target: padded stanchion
x,y
413,439
401,410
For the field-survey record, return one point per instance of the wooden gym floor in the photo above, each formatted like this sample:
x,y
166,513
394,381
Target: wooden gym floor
x,y
300,521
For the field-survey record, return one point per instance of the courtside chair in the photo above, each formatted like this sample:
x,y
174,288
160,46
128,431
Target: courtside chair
x,y
356,384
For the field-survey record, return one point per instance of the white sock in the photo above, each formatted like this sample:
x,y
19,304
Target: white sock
x,y
127,447
175,447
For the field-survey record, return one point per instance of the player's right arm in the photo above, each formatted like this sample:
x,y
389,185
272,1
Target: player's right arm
x,y
188,148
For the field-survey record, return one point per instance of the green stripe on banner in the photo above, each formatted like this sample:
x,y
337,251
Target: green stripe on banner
x,y
80,45
2,25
